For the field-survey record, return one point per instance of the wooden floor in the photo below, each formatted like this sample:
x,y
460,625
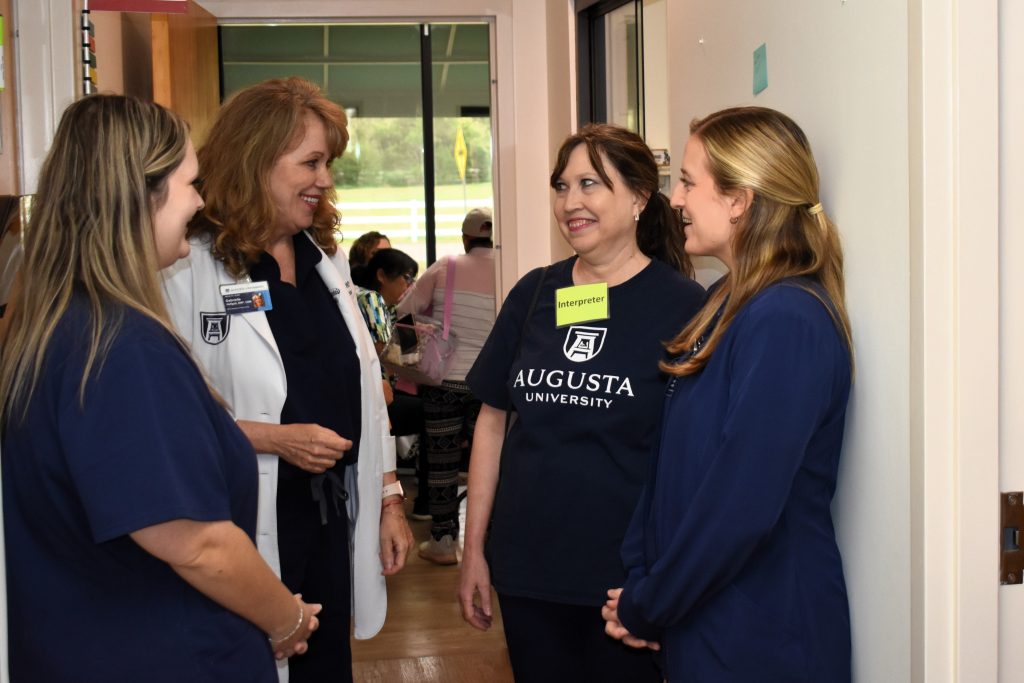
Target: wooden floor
x,y
424,639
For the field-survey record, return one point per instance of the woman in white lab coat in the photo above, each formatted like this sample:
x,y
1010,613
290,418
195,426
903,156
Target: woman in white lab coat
x,y
300,371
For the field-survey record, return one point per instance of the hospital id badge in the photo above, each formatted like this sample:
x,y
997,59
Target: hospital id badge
x,y
246,297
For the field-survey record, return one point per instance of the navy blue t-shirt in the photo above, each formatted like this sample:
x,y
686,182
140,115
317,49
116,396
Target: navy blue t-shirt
x,y
588,400
149,445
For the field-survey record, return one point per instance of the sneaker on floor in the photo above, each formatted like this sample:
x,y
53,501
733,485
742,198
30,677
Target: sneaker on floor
x,y
439,552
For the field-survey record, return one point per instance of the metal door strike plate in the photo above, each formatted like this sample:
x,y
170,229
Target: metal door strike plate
x,y
1011,557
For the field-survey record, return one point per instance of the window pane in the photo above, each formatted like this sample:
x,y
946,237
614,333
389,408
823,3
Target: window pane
x,y
621,68
462,127
374,72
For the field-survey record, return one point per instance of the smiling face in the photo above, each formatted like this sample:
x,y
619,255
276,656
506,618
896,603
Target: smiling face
x,y
706,211
180,202
300,177
595,219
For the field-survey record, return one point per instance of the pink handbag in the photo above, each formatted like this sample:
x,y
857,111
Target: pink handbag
x,y
430,358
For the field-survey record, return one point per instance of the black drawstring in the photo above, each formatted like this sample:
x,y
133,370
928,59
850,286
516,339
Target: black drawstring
x,y
338,492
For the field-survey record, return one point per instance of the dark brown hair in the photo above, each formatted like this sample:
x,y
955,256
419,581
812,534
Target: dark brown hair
x,y
362,248
658,233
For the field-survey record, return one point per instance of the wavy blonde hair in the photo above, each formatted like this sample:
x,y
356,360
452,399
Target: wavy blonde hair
x,y
251,132
783,233
91,234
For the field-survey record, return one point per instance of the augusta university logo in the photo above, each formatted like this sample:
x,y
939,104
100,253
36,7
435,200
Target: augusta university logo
x,y
214,326
583,343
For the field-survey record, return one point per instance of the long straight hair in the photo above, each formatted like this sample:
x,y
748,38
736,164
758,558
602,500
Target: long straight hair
x,y
784,233
91,234
658,233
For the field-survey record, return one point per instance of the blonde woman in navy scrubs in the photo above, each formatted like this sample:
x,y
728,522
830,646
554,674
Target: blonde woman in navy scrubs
x,y
129,493
586,390
300,373
733,565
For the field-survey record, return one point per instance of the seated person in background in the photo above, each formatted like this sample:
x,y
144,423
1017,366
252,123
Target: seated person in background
x,y
450,410
365,246
382,283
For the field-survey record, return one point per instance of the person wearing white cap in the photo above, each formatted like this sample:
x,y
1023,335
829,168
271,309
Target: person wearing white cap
x,y
450,409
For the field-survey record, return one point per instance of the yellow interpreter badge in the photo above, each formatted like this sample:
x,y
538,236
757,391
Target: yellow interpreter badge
x,y
581,304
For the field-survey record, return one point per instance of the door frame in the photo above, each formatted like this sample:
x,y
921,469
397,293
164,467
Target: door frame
x,y
954,152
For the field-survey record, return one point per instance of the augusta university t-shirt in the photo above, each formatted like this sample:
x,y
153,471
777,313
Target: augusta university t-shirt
x,y
588,400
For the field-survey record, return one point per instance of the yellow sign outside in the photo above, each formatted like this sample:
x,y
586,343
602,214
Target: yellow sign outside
x,y
580,304
461,153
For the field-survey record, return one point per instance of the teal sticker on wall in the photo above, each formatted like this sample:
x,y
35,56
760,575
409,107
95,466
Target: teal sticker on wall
x,y
760,68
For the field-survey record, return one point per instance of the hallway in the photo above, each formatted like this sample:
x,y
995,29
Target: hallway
x,y
424,639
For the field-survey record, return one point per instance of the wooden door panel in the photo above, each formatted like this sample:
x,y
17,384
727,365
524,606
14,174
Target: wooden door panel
x,y
186,72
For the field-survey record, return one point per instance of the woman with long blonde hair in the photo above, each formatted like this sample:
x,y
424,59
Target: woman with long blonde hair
x,y
733,567
129,494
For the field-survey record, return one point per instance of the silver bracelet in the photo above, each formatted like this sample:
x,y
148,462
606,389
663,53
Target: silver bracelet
x,y
291,633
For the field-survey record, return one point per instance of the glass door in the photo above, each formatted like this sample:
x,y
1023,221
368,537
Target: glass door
x,y
409,91
611,63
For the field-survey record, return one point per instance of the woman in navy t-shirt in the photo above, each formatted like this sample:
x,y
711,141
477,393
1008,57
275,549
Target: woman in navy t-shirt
x,y
129,493
733,564
580,371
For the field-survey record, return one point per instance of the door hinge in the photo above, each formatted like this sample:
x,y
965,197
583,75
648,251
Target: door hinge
x,y
1011,557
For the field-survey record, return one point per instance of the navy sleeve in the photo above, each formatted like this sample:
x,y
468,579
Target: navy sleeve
x,y
488,378
143,450
782,382
632,552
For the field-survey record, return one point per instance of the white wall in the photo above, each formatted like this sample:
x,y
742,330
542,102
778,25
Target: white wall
x,y
47,82
840,70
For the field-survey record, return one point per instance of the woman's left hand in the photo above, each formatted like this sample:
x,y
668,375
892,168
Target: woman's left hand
x,y
395,539
614,627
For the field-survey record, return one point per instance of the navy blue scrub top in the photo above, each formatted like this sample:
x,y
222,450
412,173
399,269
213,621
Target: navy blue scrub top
x,y
148,445
318,352
732,557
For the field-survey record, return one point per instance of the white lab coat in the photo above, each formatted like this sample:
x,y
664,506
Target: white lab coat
x,y
243,363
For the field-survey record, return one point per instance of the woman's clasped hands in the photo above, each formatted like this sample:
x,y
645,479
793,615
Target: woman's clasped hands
x,y
292,639
614,627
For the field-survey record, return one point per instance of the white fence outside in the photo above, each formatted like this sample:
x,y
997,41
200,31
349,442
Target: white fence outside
x,y
405,221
